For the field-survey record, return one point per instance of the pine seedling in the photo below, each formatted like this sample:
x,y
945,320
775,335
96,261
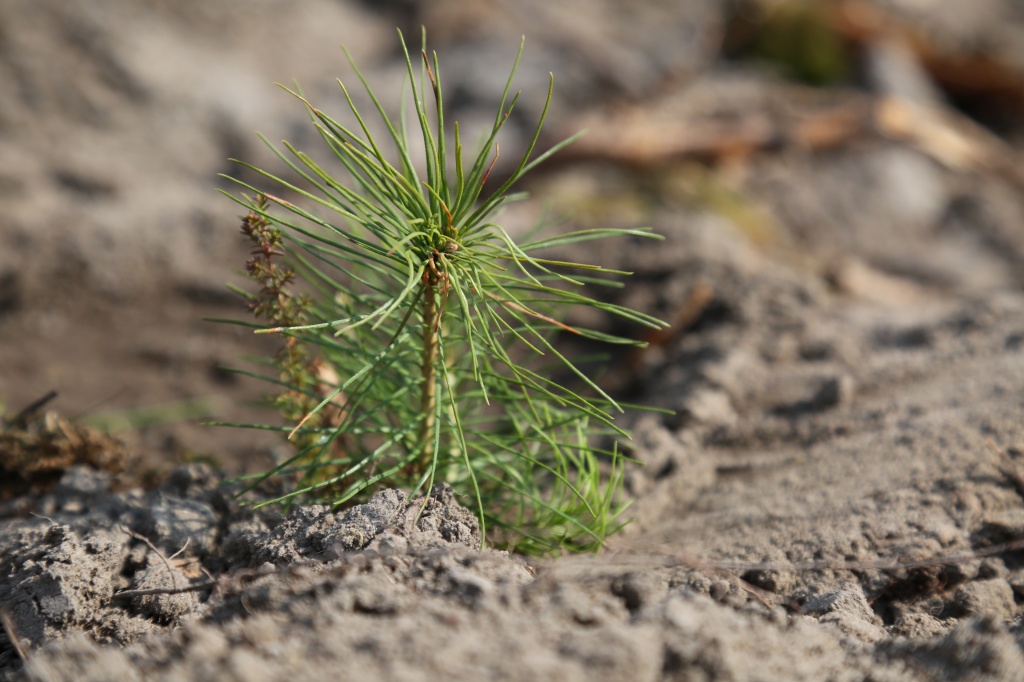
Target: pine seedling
x,y
424,349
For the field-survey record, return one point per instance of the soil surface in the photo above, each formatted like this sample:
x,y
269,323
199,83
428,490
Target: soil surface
x,y
838,494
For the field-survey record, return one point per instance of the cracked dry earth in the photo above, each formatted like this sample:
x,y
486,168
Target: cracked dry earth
x,y
817,436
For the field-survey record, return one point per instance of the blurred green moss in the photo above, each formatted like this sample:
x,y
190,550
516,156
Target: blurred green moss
x,y
798,37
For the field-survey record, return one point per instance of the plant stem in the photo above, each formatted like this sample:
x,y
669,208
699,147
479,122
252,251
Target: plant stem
x,y
428,399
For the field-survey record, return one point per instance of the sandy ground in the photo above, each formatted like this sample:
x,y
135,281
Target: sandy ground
x,y
831,499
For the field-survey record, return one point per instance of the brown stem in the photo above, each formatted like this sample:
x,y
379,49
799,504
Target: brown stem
x,y
428,399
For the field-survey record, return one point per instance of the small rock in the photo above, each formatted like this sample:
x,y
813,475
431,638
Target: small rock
x,y
359,525
171,522
470,588
191,481
83,481
442,520
1015,579
992,597
640,589
307,532
163,608
835,391
848,609
389,543
709,407
457,532
917,625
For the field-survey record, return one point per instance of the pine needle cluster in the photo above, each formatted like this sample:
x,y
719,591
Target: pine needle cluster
x,y
425,351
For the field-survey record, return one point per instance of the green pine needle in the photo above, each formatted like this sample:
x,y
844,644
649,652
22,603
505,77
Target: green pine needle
x,y
410,361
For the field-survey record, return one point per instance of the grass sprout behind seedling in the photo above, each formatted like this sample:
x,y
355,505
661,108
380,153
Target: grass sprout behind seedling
x,y
423,349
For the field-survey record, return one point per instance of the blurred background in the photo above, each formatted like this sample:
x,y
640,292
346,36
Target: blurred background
x,y
871,144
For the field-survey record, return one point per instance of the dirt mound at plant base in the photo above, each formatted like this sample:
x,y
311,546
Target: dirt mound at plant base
x,y
396,590
117,567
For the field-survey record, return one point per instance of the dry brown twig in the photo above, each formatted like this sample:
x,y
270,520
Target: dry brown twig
x,y
634,137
